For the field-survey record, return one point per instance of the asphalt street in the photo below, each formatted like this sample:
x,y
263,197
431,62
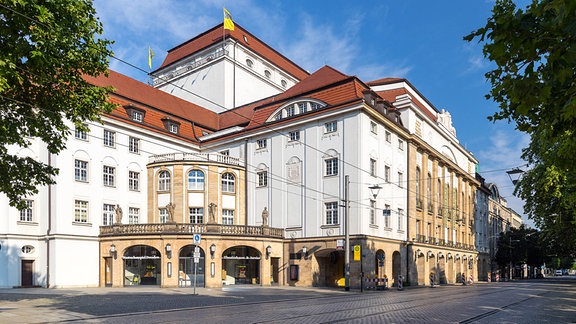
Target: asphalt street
x,y
529,301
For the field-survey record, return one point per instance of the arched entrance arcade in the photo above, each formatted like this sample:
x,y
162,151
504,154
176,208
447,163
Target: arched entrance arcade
x,y
241,265
191,269
142,266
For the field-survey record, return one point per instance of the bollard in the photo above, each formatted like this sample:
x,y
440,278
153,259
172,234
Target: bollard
x,y
432,280
400,282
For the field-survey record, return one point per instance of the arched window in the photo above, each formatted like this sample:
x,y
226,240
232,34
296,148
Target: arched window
x,y
418,191
195,180
164,181
228,182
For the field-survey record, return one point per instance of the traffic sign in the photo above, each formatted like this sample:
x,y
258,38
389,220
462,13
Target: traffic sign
x,y
196,260
197,238
357,250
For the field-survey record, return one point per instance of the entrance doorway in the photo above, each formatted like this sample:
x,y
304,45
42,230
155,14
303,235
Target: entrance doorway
x,y
241,265
186,266
27,273
141,266
275,268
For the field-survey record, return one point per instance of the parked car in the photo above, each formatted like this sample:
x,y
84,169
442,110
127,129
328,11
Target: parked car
x,y
559,272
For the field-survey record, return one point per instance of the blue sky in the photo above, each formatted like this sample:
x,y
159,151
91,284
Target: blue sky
x,y
417,40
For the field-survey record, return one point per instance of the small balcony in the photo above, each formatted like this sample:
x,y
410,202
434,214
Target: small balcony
x,y
174,228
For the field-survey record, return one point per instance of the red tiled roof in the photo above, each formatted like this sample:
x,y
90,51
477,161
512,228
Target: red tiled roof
x,y
214,36
391,94
323,77
165,103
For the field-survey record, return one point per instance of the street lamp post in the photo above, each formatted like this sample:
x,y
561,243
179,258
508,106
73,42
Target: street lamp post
x,y
346,234
510,246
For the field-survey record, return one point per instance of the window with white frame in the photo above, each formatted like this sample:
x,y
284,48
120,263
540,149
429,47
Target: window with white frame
x,y
133,181
400,218
330,127
133,145
108,176
81,170
163,215
262,178
27,214
372,212
303,107
227,217
228,182
80,211
388,137
400,179
109,138
261,143
133,215
331,213
315,106
373,167
164,181
80,134
373,127
400,145
386,173
137,116
387,216
108,214
294,136
290,111
195,180
196,215
331,166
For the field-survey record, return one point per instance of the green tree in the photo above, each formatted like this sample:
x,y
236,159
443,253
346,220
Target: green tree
x,y
534,51
45,49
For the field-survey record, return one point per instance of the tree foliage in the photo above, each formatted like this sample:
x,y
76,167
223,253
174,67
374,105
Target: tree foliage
x,y
522,246
45,49
534,50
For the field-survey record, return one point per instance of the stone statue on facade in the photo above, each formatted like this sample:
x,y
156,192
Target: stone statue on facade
x,y
212,213
118,211
265,217
170,209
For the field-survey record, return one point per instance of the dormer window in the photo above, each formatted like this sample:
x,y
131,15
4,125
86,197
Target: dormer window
x,y
295,108
171,125
136,114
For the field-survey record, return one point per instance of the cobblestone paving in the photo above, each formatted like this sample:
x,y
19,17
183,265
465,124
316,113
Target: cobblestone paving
x,y
547,301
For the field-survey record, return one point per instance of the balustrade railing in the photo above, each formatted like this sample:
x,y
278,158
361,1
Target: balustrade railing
x,y
203,157
174,228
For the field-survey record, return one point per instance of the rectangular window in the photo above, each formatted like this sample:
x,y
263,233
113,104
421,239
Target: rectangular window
x,y
80,134
330,127
109,138
400,218
372,212
134,180
107,214
81,170
331,213
196,215
133,145
373,167
401,145
303,107
133,215
387,216
331,166
228,217
373,127
137,116
26,214
261,143
400,180
294,136
262,178
163,215
290,111
108,176
80,211
387,173
388,137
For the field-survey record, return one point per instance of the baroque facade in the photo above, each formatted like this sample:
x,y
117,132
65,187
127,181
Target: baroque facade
x,y
239,167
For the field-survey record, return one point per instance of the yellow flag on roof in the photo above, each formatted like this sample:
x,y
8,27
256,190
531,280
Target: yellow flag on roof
x,y
150,56
228,23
